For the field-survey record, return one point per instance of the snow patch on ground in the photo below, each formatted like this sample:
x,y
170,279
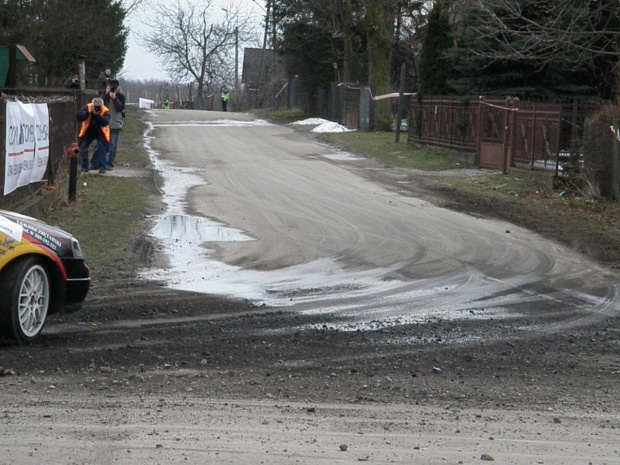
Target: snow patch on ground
x,y
310,122
330,126
322,125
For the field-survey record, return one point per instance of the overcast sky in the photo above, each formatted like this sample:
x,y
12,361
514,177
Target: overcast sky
x,y
140,64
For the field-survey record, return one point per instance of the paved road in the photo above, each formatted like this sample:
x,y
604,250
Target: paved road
x,y
295,223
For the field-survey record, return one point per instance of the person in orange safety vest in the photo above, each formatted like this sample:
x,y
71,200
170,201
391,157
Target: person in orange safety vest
x,y
95,119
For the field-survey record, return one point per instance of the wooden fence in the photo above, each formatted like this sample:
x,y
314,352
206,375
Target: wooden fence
x,y
501,132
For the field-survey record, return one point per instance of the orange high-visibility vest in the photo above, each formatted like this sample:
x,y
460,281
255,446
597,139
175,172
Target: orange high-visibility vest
x,y
105,130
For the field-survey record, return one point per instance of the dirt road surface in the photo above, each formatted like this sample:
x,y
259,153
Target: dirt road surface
x,y
292,304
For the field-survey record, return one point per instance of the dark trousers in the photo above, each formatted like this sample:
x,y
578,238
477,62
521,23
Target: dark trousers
x,y
99,152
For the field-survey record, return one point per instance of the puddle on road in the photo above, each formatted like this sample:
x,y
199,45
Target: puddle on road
x,y
195,230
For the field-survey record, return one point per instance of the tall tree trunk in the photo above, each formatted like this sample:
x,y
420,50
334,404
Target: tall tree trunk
x,y
379,46
348,42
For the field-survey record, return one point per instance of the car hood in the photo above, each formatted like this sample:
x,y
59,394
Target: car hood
x,y
50,236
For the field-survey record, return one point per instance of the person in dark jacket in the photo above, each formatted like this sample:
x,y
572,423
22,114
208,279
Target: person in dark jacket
x,y
72,83
95,119
114,99
104,79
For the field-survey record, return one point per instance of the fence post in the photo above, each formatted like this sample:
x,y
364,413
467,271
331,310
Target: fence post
x,y
451,125
507,112
615,163
479,141
533,143
558,143
513,131
438,115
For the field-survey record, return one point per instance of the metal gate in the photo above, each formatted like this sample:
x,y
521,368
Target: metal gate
x,y
350,106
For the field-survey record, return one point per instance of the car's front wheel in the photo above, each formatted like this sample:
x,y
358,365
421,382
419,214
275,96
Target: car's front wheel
x,y
25,291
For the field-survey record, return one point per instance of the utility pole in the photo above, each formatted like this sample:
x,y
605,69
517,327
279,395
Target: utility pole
x,y
236,68
262,56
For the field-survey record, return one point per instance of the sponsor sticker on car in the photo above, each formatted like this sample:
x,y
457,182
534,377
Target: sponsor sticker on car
x,y
11,229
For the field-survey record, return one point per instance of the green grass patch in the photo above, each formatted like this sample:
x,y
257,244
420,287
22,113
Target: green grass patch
x,y
508,187
108,212
131,150
381,146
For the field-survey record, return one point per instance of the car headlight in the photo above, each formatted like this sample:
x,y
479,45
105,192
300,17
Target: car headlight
x,y
77,250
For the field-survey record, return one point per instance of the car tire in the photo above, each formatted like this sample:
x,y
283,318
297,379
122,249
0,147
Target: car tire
x,y
26,295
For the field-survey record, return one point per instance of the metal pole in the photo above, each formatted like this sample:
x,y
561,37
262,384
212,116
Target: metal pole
x,y
615,163
73,163
400,102
533,144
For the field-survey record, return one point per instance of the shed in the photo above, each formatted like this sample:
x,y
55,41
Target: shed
x,y
9,56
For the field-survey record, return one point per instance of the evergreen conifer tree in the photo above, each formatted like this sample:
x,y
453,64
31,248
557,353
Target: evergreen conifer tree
x,y
483,67
434,69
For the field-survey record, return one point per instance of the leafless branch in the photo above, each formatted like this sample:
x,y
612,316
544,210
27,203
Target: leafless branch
x,y
195,42
573,30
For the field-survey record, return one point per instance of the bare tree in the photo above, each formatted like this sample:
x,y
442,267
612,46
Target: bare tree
x,y
131,6
195,43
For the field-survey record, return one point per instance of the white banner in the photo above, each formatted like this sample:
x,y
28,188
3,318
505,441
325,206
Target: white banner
x,y
27,135
42,136
14,147
21,135
146,103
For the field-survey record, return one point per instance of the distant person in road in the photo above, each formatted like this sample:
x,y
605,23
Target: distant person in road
x,y
225,96
73,82
95,119
114,100
104,79
167,105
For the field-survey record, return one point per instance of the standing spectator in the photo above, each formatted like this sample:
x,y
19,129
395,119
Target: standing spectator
x,y
167,105
73,83
104,79
114,99
95,119
225,96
